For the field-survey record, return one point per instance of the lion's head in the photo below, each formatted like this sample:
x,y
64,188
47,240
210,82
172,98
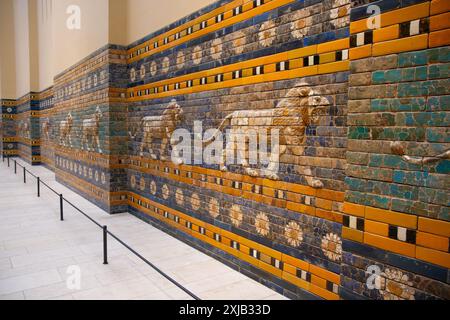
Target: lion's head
x,y
174,111
312,104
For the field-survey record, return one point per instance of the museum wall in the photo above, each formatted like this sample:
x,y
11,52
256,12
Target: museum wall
x,y
357,205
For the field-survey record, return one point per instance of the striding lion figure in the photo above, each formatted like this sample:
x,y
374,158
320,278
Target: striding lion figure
x,y
46,127
65,129
300,108
24,129
160,127
90,132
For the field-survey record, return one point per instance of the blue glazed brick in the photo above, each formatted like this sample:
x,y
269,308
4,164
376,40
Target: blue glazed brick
x,y
362,12
402,262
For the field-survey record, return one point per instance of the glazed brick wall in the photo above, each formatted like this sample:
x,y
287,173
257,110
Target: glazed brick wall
x,y
93,170
48,128
9,140
397,107
387,93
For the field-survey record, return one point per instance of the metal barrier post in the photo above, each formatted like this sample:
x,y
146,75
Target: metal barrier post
x,y
8,162
15,166
38,187
105,245
24,175
61,208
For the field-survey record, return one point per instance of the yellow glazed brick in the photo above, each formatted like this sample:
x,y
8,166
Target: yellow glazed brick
x,y
440,22
247,72
268,251
360,52
351,234
323,293
318,281
433,226
295,63
405,14
378,228
385,34
324,204
325,274
327,57
432,241
247,6
302,52
290,269
297,281
400,45
391,217
433,256
387,244
354,209
333,45
268,268
295,262
440,38
439,6
334,67
328,215
331,195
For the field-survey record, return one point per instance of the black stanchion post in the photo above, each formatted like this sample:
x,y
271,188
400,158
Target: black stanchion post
x,y
24,175
38,187
61,208
8,162
105,245
15,166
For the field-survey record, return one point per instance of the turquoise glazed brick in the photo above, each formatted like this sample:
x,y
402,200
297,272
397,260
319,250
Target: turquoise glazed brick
x,y
438,135
378,201
439,55
413,89
436,196
399,75
439,71
443,167
359,133
411,59
417,178
357,184
398,105
436,119
441,103
398,134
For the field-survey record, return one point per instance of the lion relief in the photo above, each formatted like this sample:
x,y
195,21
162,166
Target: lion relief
x,y
300,109
159,127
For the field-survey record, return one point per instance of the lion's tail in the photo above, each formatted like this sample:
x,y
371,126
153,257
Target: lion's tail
x,y
222,125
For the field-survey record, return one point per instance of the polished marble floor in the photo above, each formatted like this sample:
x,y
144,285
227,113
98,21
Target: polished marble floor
x,y
43,258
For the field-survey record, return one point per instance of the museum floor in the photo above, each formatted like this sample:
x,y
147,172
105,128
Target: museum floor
x,y
37,251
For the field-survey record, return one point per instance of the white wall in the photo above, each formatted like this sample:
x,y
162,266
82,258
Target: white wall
x,y
147,16
44,13
7,50
71,46
22,47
